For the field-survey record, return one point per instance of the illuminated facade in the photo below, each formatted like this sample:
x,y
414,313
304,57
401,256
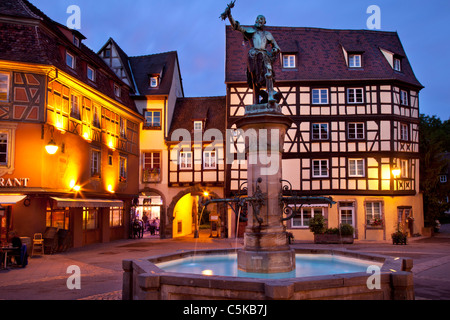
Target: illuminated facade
x,y
354,101
55,92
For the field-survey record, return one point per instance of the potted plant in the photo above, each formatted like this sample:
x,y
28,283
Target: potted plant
x,y
399,237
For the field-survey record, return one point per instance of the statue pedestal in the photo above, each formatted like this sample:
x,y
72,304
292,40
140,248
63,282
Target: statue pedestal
x,y
266,248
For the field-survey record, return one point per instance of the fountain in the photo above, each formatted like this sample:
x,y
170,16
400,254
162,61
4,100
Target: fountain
x,y
265,268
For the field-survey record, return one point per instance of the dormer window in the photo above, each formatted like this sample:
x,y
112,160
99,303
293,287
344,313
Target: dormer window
x,y
289,61
90,73
154,82
116,90
76,41
198,125
70,60
397,64
354,61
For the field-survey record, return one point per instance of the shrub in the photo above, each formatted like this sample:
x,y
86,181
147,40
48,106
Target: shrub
x,y
317,224
347,230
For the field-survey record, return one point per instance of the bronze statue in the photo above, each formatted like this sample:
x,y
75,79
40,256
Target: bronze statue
x,y
260,73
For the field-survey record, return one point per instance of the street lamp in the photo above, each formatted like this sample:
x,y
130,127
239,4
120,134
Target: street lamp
x,y
396,172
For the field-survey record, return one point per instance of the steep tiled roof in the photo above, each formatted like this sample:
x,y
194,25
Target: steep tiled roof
x,y
210,109
321,57
162,64
24,42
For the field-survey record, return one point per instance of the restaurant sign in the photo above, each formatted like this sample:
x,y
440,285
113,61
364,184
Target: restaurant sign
x,y
14,182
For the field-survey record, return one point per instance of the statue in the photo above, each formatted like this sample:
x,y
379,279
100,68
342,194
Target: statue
x,y
260,73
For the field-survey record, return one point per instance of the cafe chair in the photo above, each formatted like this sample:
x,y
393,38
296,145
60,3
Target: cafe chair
x,y
38,244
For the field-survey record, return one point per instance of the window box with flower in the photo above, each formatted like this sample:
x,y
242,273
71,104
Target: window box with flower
x,y
151,175
375,223
122,179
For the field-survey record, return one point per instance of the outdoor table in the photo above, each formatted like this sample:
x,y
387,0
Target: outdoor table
x,y
5,250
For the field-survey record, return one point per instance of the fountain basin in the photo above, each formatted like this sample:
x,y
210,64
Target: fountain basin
x,y
146,279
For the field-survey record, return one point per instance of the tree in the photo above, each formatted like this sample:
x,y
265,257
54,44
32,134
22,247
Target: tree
x,y
434,142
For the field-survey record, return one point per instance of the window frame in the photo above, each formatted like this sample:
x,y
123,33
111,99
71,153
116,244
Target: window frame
x,y
404,98
112,221
320,133
96,163
198,125
6,146
397,64
89,68
356,131
75,105
351,60
183,162
370,205
300,215
321,175
404,132
209,162
123,168
320,101
355,95
72,56
8,85
154,81
356,173
152,125
149,164
291,60
404,168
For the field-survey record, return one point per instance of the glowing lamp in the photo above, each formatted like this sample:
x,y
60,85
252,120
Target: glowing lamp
x,y
206,194
110,189
396,172
76,188
51,147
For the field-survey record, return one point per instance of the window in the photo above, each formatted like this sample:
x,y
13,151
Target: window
x,y
96,159
320,168
122,169
96,117
404,167
115,217
320,131
75,110
304,215
443,179
90,73
209,160
3,149
355,95
151,167
4,87
404,132
107,53
356,167
57,218
373,212
123,128
320,96
76,41
152,119
185,160
397,64
198,125
354,61
404,98
70,60
154,82
289,61
356,131
117,91
90,218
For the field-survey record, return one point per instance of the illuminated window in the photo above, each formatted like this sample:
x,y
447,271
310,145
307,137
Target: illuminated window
x,y
151,167
3,149
320,168
185,160
115,217
96,158
96,117
123,128
75,110
373,212
4,87
57,218
123,169
209,160
303,216
356,167
90,218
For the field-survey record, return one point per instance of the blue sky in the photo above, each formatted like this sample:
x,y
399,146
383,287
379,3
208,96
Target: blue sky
x,y
193,28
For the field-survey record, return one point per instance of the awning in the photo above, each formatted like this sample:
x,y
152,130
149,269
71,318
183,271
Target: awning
x,y
11,199
87,203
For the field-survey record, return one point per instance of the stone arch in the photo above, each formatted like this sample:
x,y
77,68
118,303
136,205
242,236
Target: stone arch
x,y
147,191
169,217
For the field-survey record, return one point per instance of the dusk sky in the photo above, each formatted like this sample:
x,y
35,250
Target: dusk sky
x,y
194,30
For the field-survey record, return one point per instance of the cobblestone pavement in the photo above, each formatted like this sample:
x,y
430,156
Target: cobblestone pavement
x,y
46,277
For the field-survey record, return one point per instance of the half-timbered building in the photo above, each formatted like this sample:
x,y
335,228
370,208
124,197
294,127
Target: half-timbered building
x,y
55,93
354,102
